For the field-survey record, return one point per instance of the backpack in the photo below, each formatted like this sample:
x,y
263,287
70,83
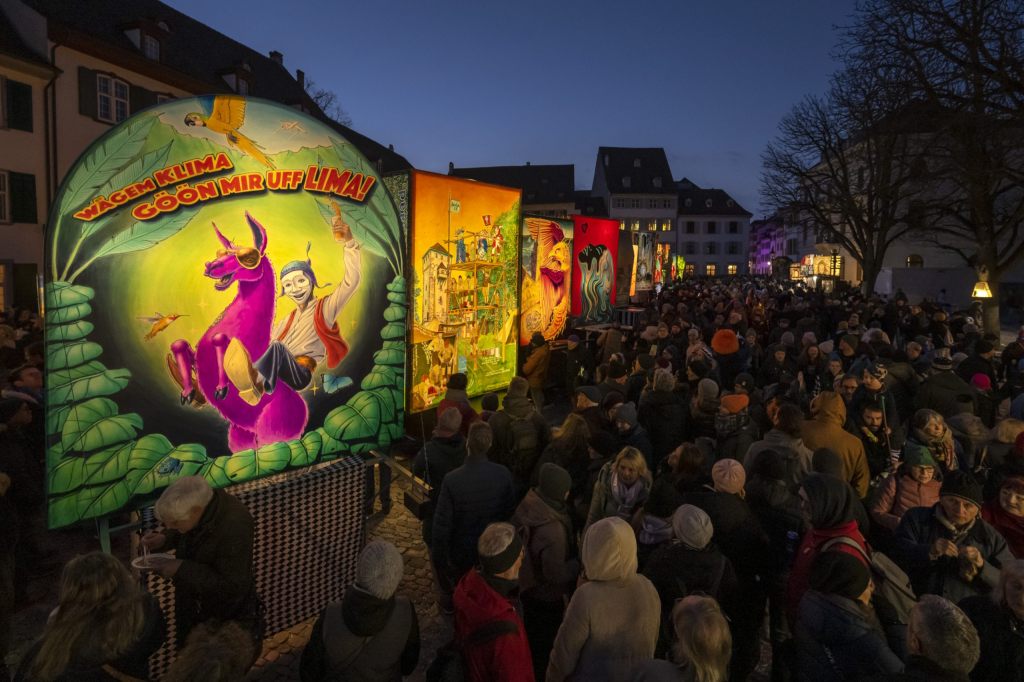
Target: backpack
x,y
891,583
449,665
525,447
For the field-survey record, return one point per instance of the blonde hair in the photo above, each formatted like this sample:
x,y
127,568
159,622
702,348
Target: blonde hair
x,y
1007,430
214,652
99,615
664,380
574,427
634,457
703,639
1010,569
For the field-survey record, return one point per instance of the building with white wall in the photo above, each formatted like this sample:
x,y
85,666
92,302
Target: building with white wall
x,y
713,232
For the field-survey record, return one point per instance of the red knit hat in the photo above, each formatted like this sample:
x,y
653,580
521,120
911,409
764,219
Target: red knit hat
x,y
725,342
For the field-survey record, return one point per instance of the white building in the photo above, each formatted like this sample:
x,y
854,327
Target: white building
x,y
713,232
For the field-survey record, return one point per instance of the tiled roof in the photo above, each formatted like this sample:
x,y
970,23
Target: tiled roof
x,y
636,170
12,45
709,202
540,184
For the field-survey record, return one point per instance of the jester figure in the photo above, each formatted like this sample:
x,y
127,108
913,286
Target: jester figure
x,y
308,336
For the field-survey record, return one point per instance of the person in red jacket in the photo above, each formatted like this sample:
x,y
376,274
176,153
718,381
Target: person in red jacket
x,y
828,506
489,626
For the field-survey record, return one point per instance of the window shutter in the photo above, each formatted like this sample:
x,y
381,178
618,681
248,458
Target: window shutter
x,y
87,92
19,105
139,98
22,187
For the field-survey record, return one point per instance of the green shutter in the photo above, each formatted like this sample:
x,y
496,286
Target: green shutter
x,y
19,105
86,92
22,188
139,98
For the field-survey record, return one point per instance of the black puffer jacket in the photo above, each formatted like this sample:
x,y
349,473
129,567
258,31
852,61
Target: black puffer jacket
x,y
1002,640
664,415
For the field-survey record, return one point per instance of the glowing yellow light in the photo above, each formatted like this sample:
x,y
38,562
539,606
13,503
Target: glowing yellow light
x,y
981,290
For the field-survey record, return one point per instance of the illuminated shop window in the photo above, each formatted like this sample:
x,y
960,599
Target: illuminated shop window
x,y
732,268
709,269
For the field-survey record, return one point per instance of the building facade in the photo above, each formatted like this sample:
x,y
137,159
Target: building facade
x,y
713,232
85,67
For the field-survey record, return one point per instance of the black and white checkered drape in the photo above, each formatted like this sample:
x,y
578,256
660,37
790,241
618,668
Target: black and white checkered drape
x,y
309,532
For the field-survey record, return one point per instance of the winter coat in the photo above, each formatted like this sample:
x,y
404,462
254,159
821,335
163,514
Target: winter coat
x,y
549,568
943,392
505,658
1002,641
459,400
975,364
215,578
701,421
825,430
778,511
918,531
385,632
664,415
612,621
535,369
659,670
839,639
603,503
735,434
677,571
578,367
920,669
810,547
436,459
474,495
503,448
798,456
900,493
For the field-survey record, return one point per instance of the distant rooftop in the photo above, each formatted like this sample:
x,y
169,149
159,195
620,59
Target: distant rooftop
x,y
542,184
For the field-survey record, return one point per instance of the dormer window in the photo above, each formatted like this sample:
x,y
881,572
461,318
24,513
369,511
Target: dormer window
x,y
626,181
151,47
636,163
707,203
688,203
237,80
656,182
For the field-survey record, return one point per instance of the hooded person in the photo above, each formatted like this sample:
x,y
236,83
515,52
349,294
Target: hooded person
x,y
826,429
371,634
612,621
703,410
690,564
948,549
830,508
488,628
838,637
550,565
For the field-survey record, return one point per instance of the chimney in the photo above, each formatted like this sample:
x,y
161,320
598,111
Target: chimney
x,y
300,76
451,167
277,57
391,147
527,163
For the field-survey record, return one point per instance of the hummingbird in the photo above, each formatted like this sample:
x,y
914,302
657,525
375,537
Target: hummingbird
x,y
158,322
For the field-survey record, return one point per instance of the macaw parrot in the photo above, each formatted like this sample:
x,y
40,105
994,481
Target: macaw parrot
x,y
227,115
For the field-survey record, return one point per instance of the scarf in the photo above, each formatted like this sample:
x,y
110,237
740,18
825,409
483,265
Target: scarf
x,y
625,496
943,447
958,532
1009,526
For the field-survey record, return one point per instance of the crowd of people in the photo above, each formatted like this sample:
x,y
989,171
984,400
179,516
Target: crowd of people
x,y
836,475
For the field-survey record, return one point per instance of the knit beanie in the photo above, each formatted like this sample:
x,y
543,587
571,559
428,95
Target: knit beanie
x,y
729,476
735,403
958,483
981,381
744,381
725,342
380,569
827,461
616,371
707,390
553,482
839,573
787,339
916,455
692,526
626,412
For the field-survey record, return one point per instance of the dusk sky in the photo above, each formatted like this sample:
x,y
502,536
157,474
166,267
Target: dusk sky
x,y
483,83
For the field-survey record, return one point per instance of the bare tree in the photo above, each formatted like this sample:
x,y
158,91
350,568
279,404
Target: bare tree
x,y
965,58
328,102
849,166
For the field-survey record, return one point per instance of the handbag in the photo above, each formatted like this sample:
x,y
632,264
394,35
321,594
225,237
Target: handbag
x,y
417,498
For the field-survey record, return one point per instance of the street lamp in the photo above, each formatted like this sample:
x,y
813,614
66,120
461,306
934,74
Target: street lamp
x,y
981,288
